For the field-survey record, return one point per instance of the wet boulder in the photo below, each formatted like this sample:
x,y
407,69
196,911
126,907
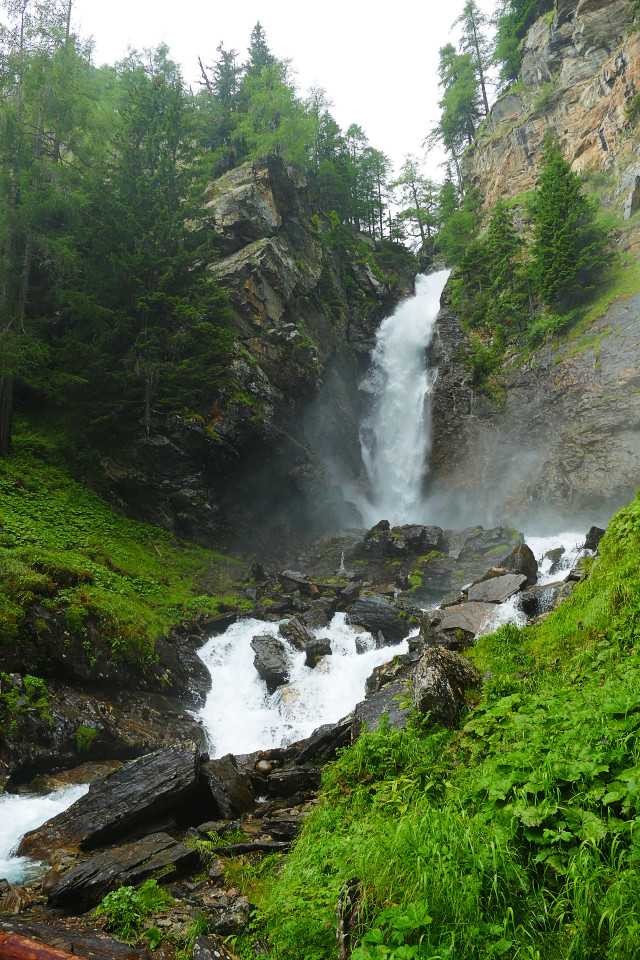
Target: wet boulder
x,y
228,788
317,648
496,589
325,741
469,618
522,561
392,701
87,883
164,782
593,538
439,684
270,660
296,633
376,612
400,668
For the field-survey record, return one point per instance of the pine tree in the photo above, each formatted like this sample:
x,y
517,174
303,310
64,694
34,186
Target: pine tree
x,y
570,251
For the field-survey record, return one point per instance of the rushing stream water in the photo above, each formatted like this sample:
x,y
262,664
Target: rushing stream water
x,y
239,714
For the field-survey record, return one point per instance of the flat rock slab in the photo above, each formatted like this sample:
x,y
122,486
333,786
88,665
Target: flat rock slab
x,y
469,617
375,612
497,589
371,710
156,856
166,781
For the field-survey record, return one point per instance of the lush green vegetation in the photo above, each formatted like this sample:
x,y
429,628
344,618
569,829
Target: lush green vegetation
x,y
515,287
515,836
124,910
63,548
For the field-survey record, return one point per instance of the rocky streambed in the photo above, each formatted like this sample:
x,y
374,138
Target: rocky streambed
x,y
179,814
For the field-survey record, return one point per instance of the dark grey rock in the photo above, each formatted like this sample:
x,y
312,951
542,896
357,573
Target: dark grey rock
x,y
163,782
298,779
468,617
376,612
521,560
228,788
325,741
296,633
270,660
317,648
439,684
497,589
593,538
386,702
87,883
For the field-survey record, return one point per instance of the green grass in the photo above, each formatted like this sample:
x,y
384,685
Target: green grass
x,y
62,547
516,836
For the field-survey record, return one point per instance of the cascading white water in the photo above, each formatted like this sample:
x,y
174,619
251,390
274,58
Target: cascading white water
x,y
18,815
240,716
395,437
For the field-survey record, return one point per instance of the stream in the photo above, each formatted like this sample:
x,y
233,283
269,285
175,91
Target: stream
x,y
239,715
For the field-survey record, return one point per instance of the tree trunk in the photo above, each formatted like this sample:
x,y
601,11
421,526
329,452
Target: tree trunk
x,y
6,413
14,947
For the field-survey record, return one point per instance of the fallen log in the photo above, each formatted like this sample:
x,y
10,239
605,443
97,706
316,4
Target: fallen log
x,y
23,940
14,947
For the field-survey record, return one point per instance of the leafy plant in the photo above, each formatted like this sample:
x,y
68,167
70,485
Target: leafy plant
x,y
126,908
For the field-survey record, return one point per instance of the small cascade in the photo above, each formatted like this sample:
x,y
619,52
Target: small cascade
x,y
395,437
239,714
18,815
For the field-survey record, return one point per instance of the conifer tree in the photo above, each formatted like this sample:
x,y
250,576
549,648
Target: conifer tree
x,y
570,251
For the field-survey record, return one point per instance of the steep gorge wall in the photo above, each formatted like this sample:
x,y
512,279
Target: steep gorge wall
x,y
564,438
305,307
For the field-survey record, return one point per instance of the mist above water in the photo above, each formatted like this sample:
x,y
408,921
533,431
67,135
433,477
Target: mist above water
x,y
395,437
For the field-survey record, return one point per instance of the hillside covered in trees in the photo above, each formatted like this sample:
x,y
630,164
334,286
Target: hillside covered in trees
x,y
191,282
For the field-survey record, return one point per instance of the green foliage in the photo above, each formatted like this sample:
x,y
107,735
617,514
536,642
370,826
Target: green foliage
x,y
85,738
570,255
63,547
126,908
515,836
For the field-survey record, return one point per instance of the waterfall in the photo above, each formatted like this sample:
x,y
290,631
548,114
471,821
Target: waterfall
x,y
395,436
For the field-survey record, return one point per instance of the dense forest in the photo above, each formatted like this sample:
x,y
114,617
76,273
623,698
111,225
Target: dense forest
x,y
106,301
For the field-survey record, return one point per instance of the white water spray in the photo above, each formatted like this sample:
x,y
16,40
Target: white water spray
x,y
240,716
395,437
18,815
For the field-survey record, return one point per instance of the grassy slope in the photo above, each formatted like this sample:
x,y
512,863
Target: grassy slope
x,y
62,547
515,836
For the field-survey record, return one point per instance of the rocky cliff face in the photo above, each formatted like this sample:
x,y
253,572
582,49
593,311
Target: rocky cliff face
x,y
580,72
565,441
305,307
565,435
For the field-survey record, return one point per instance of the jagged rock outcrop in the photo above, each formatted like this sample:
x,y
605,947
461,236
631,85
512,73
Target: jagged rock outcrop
x,y
305,315
580,70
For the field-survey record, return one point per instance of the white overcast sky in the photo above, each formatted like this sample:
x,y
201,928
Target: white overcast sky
x,y
377,61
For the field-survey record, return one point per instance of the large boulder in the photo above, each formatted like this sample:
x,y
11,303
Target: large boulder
x,y
158,855
391,701
522,560
376,612
296,633
439,684
270,660
228,788
497,589
161,783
